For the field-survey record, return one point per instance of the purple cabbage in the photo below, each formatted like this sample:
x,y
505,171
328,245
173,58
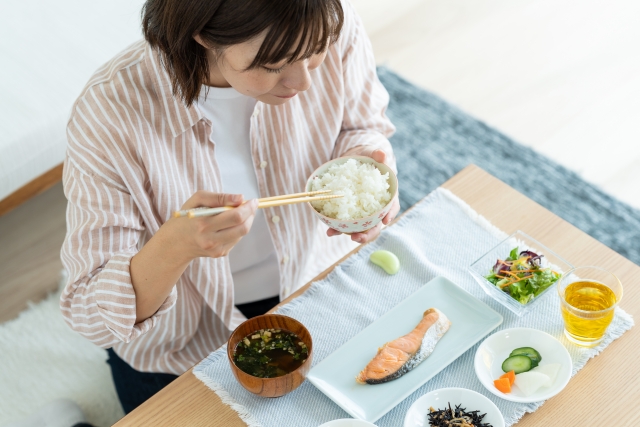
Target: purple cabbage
x,y
501,266
535,258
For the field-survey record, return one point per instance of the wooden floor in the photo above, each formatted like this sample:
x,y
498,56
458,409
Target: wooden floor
x,y
560,76
30,241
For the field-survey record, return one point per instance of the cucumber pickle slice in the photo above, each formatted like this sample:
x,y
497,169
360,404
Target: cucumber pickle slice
x,y
531,353
518,364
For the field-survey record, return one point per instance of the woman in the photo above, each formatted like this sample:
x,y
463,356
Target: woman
x,y
224,101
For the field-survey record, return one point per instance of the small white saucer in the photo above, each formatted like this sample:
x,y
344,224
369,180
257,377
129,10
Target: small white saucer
x,y
347,422
440,399
495,349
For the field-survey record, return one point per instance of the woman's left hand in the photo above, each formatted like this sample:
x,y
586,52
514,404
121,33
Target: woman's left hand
x,y
380,157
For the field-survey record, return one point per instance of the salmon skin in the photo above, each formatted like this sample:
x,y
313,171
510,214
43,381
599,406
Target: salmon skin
x,y
397,357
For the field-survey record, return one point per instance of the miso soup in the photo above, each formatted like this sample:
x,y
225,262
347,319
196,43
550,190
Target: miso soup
x,y
270,353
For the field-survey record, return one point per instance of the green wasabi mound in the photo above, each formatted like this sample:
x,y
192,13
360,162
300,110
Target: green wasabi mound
x,y
388,261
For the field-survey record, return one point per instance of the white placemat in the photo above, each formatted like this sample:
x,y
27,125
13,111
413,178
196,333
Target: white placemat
x,y
440,236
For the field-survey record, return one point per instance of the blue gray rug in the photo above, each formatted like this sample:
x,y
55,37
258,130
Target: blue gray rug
x,y
435,140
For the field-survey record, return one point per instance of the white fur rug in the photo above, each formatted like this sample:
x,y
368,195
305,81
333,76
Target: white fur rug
x,y
42,359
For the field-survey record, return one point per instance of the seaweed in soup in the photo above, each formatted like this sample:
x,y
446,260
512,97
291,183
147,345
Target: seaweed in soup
x,y
270,353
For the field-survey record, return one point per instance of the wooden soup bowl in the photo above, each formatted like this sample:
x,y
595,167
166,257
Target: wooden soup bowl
x,y
278,386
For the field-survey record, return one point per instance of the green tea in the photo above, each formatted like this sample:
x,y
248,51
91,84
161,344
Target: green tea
x,y
589,297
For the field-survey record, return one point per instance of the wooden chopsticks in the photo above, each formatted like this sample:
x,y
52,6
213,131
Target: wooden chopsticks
x,y
266,202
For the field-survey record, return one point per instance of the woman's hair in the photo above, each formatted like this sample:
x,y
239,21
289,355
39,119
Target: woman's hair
x,y
295,29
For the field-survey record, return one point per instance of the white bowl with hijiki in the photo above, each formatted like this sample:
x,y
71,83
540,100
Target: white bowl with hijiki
x,y
453,407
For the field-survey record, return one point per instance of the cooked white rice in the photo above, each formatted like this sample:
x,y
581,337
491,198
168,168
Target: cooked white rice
x,y
365,190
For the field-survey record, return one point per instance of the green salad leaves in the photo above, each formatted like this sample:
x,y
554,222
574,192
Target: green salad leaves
x,y
522,276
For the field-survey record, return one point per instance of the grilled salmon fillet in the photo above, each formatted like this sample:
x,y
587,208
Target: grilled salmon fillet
x,y
397,357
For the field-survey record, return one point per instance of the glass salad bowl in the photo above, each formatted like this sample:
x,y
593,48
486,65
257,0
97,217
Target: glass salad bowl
x,y
519,272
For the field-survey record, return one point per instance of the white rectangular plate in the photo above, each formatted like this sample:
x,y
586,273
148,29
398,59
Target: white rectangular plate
x,y
471,320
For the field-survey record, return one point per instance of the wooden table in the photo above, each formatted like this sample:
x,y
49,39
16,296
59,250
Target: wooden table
x,y
606,389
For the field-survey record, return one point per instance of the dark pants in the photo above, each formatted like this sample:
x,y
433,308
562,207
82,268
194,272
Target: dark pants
x,y
135,387
253,309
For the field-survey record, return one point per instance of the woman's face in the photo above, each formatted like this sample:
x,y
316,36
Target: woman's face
x,y
273,84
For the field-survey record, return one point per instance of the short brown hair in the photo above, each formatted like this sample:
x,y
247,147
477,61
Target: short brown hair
x,y
169,25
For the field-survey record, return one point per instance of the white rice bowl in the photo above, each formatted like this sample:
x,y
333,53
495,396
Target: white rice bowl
x,y
364,188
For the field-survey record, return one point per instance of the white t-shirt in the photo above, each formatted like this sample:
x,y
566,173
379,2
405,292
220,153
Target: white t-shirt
x,y
254,262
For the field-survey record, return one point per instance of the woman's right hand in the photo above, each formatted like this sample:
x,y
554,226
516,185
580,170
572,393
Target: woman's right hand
x,y
212,236
156,268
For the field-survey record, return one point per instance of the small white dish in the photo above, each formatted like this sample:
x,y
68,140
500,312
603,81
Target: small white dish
x,y
440,399
347,422
495,349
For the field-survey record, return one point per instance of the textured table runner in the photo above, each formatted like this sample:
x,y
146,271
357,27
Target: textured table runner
x,y
441,236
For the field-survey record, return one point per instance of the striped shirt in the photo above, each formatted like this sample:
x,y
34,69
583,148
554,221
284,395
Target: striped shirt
x,y
136,153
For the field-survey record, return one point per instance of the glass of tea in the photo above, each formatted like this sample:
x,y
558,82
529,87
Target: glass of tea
x,y
589,296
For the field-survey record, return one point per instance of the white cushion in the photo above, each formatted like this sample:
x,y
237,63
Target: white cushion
x,y
48,52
